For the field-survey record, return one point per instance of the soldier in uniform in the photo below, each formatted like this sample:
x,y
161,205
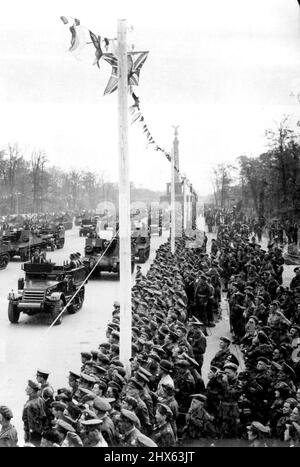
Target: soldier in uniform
x,y
202,295
130,435
33,415
222,354
199,423
42,379
229,411
73,380
8,433
295,282
197,340
163,434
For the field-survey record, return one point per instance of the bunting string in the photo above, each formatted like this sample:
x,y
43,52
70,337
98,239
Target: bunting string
x,y
85,45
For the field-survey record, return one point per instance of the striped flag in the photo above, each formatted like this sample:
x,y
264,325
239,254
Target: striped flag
x,y
135,62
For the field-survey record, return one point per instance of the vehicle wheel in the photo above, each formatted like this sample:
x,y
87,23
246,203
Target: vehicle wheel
x,y
4,261
77,303
13,313
58,307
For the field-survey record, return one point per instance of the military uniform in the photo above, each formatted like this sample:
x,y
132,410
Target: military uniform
x,y
163,435
134,438
8,437
34,418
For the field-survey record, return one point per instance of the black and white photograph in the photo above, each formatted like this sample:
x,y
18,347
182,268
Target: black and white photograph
x,y
150,226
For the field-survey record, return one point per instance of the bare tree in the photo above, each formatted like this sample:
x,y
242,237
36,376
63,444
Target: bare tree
x,y
38,162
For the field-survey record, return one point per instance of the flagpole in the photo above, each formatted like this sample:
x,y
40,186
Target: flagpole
x,y
184,206
124,202
172,202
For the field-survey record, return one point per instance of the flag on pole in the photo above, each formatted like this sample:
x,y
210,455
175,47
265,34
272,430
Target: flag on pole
x,y
85,45
135,62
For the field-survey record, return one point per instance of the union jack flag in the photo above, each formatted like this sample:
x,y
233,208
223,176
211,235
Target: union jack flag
x,y
135,61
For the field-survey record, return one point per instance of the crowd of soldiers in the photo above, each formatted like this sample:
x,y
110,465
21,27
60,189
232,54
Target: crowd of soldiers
x,y
251,396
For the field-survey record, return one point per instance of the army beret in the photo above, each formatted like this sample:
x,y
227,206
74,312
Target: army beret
x,y
102,384
262,336
106,345
101,404
42,373
88,397
182,363
131,400
33,385
166,366
141,376
6,412
63,397
94,422
88,378
102,357
131,416
200,397
89,363
86,354
264,360
137,383
64,425
233,359
115,334
145,372
117,362
114,385
74,375
154,356
115,348
100,369
118,379
225,339
59,405
116,303
231,366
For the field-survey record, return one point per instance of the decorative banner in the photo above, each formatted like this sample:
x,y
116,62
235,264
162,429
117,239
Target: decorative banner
x,y
87,45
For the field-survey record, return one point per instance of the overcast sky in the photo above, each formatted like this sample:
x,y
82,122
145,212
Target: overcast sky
x,y
222,70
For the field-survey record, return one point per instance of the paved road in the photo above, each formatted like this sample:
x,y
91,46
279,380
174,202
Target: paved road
x,y
28,345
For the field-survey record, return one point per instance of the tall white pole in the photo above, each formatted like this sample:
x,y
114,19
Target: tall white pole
x,y
124,203
172,202
184,206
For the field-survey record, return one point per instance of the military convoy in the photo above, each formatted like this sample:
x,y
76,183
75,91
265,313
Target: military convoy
x,y
47,288
53,236
141,238
107,251
4,254
22,242
87,227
